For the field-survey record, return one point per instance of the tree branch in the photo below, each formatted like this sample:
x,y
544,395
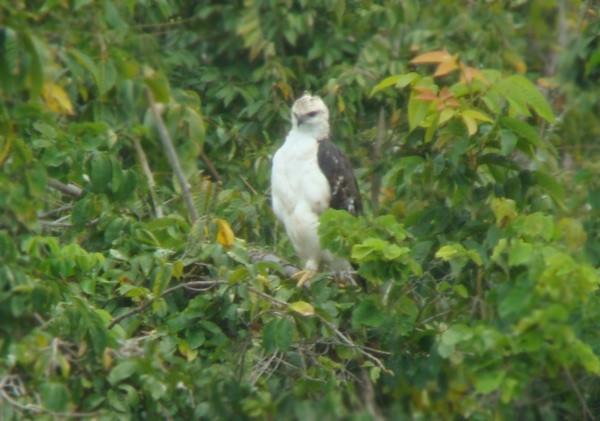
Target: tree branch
x,y
211,167
144,305
376,177
148,173
14,382
69,189
260,256
586,410
172,156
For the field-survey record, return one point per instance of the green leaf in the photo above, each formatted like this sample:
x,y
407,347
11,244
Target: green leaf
x,y
398,80
36,180
278,334
100,172
489,381
376,248
520,253
36,68
457,333
83,212
45,129
549,185
106,76
122,371
87,62
385,83
417,111
521,92
538,225
522,129
450,251
158,85
508,141
55,396
10,49
368,313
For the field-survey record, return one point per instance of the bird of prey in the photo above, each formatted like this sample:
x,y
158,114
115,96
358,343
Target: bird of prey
x,y
309,175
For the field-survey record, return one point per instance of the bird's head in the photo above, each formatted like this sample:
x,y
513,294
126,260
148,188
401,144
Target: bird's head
x,y
310,115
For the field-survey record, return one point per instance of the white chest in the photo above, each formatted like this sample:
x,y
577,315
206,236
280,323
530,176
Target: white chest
x,y
296,178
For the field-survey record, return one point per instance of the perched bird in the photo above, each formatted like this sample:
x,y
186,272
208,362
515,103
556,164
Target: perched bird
x,y
309,175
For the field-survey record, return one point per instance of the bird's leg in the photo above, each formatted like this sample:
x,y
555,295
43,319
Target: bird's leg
x,y
305,275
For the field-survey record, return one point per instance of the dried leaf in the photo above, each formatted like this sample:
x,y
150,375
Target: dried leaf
x,y
426,94
432,57
467,74
446,67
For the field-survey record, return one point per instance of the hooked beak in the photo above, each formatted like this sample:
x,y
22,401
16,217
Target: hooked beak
x,y
300,119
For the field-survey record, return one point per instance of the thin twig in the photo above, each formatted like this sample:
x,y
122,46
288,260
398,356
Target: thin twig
x,y
144,305
248,184
148,173
268,297
260,256
376,177
69,189
51,212
15,382
584,406
211,167
360,349
60,224
165,138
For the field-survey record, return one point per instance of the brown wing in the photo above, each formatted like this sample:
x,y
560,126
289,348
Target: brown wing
x,y
337,169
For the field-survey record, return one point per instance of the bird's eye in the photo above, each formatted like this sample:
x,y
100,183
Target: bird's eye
x,y
312,113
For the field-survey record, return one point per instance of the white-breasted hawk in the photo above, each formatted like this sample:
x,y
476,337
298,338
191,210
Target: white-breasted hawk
x,y
311,174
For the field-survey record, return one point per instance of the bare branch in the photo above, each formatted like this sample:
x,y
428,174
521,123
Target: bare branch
x,y
261,256
211,167
347,341
148,173
69,189
165,138
51,212
586,410
145,304
376,177
11,384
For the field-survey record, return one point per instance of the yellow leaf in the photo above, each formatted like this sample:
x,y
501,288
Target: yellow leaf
x,y
432,57
56,98
478,115
515,61
573,233
341,104
446,115
303,308
225,234
470,123
107,358
505,210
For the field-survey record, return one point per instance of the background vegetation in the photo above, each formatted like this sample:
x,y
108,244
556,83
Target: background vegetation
x,y
473,128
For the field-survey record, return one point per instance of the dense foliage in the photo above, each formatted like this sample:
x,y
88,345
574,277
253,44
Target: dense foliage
x,y
473,129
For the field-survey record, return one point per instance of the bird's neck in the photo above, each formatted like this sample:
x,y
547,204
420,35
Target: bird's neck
x,y
318,132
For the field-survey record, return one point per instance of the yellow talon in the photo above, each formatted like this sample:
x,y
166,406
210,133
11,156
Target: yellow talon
x,y
304,276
